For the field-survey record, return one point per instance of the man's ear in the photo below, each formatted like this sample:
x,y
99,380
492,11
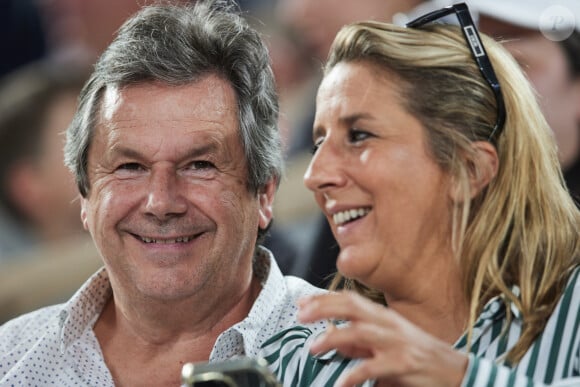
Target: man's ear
x,y
84,204
266,202
482,166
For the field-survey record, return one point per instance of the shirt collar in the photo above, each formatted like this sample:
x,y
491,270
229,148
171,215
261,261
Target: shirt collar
x,y
266,308
495,308
84,307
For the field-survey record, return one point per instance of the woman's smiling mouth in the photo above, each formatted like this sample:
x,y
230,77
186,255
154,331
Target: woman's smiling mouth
x,y
343,217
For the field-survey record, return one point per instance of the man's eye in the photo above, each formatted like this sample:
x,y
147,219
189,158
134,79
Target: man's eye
x,y
202,164
130,167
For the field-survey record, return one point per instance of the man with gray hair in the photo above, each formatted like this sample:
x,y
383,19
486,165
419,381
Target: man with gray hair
x,y
177,157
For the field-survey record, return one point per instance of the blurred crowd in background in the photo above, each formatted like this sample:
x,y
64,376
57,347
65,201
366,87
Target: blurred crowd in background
x,y
49,46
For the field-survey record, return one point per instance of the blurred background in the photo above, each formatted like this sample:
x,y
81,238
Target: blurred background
x,y
48,48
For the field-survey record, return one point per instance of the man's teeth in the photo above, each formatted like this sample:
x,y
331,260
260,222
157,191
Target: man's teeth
x,y
348,215
167,241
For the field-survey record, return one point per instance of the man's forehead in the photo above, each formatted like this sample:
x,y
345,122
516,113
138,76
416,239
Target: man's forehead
x,y
209,99
110,103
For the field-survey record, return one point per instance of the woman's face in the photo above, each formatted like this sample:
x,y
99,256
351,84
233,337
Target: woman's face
x,y
373,176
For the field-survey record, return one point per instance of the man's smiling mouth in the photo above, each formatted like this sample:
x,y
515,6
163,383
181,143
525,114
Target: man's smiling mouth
x,y
166,241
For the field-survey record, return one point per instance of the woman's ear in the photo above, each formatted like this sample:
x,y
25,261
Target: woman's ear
x,y
482,164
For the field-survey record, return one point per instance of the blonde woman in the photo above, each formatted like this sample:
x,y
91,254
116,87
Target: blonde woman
x,y
459,241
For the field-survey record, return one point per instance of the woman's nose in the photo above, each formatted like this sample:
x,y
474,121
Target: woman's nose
x,y
325,169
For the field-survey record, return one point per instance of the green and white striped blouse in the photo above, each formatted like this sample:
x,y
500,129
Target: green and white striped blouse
x,y
552,360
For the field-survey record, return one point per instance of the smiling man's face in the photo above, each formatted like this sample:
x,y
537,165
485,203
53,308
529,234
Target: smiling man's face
x,y
169,206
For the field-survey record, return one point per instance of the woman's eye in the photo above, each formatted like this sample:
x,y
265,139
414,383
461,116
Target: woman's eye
x,y
356,135
316,145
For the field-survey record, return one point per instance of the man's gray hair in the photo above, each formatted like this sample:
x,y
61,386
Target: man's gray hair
x,y
177,45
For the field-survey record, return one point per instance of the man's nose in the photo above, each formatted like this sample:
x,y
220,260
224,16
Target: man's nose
x,y
164,197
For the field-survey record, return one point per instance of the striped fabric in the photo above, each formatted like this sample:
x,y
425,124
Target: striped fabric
x,y
289,359
552,360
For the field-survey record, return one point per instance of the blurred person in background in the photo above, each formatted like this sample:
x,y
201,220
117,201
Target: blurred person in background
x,y
552,66
44,251
542,37
316,23
319,21
79,30
37,192
21,19
67,30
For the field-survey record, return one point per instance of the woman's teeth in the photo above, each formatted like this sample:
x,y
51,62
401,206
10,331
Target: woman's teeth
x,y
348,215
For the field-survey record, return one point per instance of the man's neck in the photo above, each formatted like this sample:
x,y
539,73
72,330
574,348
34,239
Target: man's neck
x,y
163,337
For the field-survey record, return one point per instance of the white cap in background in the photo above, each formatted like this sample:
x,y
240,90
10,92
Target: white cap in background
x,y
555,18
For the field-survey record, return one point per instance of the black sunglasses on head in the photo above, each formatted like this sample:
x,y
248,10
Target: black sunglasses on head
x,y
477,50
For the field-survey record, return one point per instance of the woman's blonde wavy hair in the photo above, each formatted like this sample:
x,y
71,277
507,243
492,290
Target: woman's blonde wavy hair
x,y
523,229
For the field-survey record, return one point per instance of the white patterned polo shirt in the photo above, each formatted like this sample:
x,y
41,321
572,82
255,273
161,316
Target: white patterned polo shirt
x,y
56,345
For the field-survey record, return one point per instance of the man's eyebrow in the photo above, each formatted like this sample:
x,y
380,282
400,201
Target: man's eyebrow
x,y
126,152
207,148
